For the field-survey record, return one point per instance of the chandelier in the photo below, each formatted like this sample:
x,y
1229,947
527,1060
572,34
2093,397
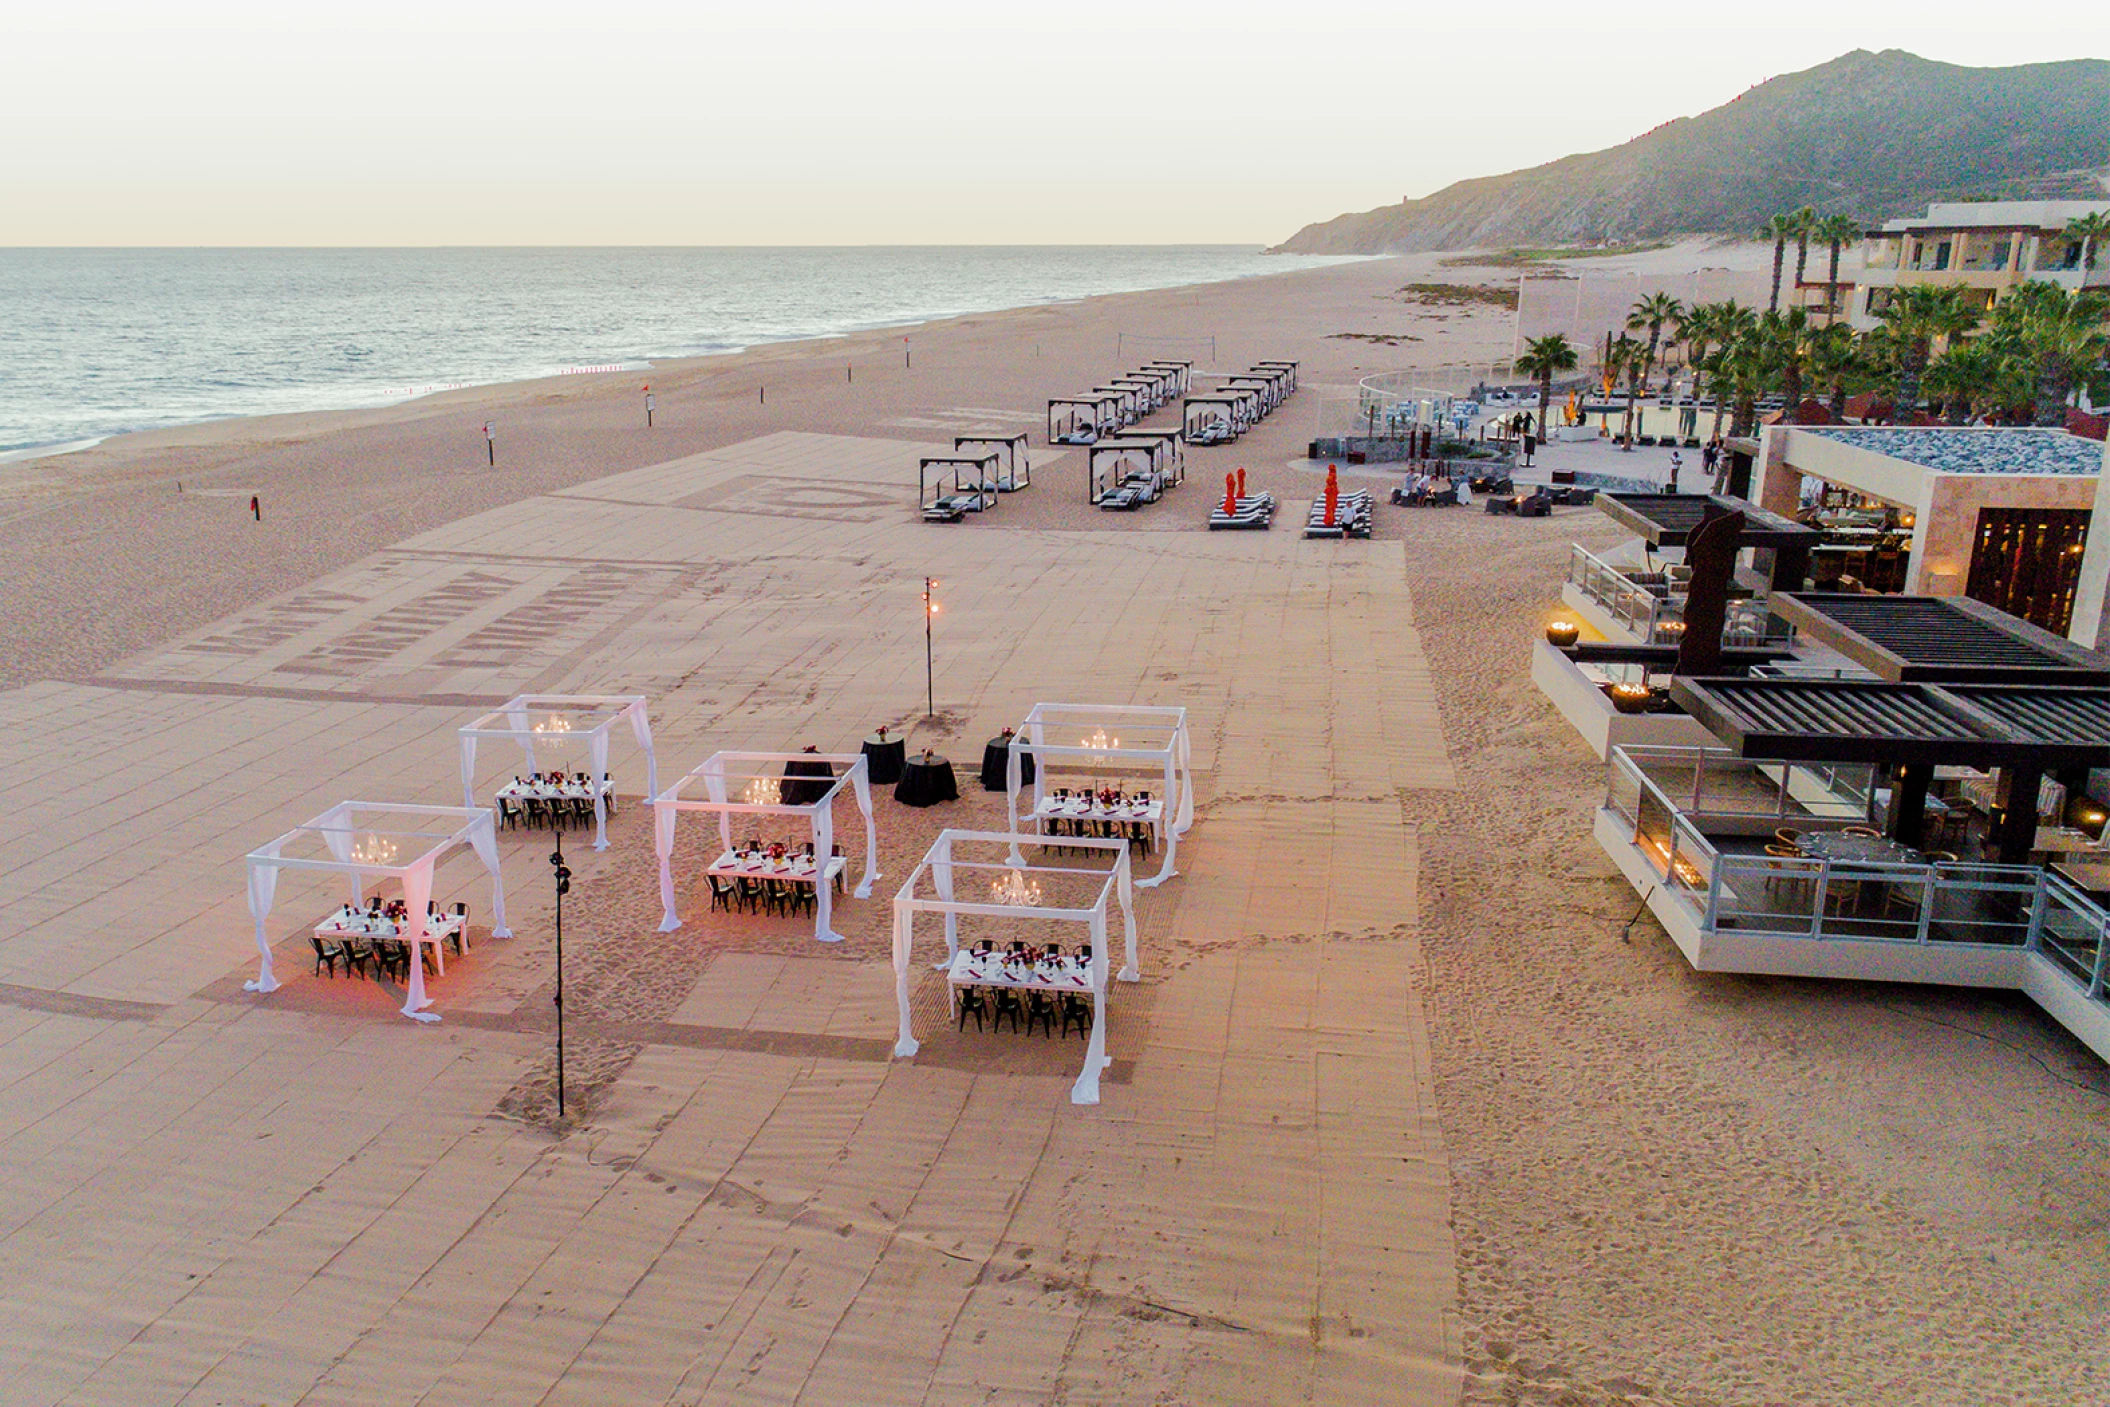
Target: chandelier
x,y
1015,889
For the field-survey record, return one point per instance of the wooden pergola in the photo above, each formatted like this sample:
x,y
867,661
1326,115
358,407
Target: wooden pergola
x,y
2027,730
1949,639
1667,520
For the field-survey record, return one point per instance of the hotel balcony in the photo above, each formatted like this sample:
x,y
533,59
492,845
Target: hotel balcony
x,y
1689,827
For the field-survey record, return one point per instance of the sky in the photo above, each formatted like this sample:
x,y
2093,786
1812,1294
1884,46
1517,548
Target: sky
x,y
311,122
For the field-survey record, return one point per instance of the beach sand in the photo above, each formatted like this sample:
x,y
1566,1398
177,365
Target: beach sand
x,y
1401,1110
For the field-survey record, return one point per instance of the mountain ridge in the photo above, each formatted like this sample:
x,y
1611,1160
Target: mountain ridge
x,y
1874,134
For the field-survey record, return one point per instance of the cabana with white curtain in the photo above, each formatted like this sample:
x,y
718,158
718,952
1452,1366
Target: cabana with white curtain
x,y
553,721
1128,403
1164,383
949,881
1100,740
1148,392
1013,472
1268,388
1252,404
1213,420
973,488
1080,420
1123,473
1290,386
1171,460
379,840
1180,372
752,784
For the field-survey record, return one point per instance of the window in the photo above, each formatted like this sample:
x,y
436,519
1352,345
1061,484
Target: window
x,y
1941,256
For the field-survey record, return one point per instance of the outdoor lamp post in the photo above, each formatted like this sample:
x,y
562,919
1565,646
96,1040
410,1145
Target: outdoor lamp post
x,y
563,877
930,687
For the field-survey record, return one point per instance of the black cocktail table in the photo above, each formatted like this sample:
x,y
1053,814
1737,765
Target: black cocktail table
x,y
884,758
926,783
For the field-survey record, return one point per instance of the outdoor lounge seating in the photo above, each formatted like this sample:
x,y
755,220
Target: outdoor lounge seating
x,y
1351,516
1253,511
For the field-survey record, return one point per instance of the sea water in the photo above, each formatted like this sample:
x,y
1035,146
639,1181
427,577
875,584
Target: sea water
x,y
96,342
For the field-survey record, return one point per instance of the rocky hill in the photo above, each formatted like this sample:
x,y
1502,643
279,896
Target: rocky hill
x,y
1874,135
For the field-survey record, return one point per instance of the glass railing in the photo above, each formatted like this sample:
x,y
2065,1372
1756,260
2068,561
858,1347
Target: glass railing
x,y
1715,783
1650,606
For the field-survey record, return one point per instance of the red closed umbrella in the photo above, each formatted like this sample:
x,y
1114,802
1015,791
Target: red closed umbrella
x,y
1333,494
1230,499
1241,481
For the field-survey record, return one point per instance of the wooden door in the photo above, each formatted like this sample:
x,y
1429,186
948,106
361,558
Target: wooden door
x,y
2027,562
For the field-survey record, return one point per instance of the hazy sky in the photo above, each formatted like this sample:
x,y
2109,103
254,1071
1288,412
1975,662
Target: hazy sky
x,y
302,122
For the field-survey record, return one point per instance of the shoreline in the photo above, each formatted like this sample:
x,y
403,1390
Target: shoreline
x,y
634,363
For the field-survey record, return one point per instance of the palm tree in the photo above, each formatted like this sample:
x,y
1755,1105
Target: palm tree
x,y
1651,313
1546,358
2091,230
1734,326
2054,338
1835,361
1780,229
1919,316
1625,359
1784,346
1833,231
1805,226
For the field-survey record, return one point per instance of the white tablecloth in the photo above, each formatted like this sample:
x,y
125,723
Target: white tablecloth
x,y
1150,813
989,970
438,929
543,791
730,865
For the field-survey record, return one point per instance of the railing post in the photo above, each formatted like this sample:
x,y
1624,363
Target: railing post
x,y
1817,892
1927,906
2040,897
2102,962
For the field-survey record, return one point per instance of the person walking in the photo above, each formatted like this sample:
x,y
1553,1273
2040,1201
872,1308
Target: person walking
x,y
1677,462
256,507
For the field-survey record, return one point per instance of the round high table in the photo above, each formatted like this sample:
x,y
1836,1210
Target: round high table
x,y
926,783
884,758
797,790
996,760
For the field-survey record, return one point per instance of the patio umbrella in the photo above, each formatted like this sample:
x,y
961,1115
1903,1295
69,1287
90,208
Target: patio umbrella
x,y
1230,498
1241,481
1333,494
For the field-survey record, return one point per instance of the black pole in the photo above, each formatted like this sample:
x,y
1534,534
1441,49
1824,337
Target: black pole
x,y
556,860
930,679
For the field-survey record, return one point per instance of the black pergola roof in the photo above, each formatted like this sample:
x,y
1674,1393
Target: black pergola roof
x,y
1948,639
2038,727
1668,519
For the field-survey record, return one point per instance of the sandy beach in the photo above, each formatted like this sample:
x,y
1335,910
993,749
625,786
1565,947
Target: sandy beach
x,y
1406,1108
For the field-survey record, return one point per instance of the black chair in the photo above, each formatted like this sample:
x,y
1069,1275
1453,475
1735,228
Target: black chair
x,y
1040,1007
973,999
508,813
1076,1009
1007,1004
537,813
355,957
461,930
723,893
326,955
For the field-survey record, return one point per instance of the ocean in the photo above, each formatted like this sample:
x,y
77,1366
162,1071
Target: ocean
x,y
97,342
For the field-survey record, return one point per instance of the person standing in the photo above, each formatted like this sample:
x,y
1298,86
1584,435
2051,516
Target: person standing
x,y
256,507
1677,462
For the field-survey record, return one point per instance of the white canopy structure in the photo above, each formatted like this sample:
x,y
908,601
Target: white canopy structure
x,y
1013,472
1214,420
387,841
1179,371
1015,881
1079,420
553,720
761,794
1290,385
1110,737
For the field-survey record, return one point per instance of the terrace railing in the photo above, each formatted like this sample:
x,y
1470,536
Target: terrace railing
x,y
1672,797
1653,611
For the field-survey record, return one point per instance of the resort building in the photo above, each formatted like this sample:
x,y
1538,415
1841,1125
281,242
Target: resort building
x,y
1990,247
1877,787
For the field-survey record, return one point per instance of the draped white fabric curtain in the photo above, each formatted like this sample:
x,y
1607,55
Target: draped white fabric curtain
x,y
667,808
263,887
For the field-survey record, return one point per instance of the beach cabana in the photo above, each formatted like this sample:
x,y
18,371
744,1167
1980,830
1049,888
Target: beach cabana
x,y
949,486
1080,420
1123,473
1177,370
1013,472
1127,405
1172,456
948,881
1213,420
1147,389
1252,403
1288,368
1269,387
563,720
379,840
1101,740
751,784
